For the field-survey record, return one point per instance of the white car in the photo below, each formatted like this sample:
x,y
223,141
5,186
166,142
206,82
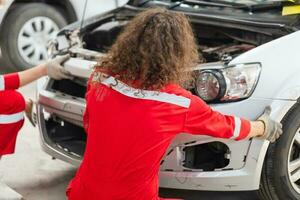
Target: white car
x,y
252,61
27,26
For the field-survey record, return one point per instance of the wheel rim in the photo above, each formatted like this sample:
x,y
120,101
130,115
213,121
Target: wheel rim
x,y
294,162
34,37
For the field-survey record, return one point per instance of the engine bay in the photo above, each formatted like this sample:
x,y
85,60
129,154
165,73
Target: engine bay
x,y
214,44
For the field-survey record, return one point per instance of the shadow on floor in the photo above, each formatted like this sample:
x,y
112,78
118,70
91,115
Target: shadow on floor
x,y
205,195
4,69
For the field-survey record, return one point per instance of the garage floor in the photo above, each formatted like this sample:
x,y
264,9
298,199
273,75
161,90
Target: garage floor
x,y
36,176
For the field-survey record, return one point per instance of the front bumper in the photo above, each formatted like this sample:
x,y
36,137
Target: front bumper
x,y
66,106
244,179
246,157
49,146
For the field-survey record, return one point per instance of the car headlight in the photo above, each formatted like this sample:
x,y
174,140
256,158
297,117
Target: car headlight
x,y
210,85
227,84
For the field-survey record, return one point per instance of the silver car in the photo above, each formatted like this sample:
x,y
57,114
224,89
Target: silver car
x,y
251,61
28,26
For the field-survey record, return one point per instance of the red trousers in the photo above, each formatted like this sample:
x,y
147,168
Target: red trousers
x,y
12,106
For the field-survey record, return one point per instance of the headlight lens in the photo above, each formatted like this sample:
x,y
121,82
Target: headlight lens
x,y
208,85
228,84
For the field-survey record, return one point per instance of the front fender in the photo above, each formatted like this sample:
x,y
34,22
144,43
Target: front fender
x,y
258,148
251,109
279,59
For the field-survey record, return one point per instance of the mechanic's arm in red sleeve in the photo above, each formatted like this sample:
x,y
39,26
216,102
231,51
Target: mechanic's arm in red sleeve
x,y
201,119
15,80
51,68
9,82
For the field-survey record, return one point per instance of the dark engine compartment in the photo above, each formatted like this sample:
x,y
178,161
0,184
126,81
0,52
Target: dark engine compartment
x,y
214,44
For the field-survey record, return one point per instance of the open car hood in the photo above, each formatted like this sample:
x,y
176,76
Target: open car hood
x,y
267,20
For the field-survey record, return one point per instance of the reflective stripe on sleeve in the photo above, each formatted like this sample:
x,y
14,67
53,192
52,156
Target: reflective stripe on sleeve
x,y
13,118
146,94
237,128
2,84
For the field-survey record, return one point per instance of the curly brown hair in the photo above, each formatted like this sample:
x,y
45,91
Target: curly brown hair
x,y
156,48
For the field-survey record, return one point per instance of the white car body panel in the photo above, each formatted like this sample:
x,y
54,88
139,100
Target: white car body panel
x,y
279,58
245,178
79,67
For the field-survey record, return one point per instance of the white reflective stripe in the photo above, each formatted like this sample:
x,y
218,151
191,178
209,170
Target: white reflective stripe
x,y
13,118
146,94
2,84
237,128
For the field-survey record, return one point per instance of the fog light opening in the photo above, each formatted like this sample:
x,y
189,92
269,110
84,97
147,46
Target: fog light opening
x,y
207,157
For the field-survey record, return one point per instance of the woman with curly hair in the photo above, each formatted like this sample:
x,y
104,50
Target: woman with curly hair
x,y
136,105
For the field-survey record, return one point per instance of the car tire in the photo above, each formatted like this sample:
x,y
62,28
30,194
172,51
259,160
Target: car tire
x,y
276,182
15,23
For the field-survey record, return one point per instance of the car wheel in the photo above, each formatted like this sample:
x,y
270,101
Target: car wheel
x,y
26,31
281,171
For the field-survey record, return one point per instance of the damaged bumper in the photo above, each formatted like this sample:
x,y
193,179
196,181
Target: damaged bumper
x,y
67,111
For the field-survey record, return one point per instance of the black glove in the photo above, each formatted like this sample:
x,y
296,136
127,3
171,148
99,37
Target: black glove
x,y
273,129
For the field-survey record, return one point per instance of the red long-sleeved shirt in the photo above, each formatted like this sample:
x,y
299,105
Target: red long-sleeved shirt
x,y
12,105
128,133
9,81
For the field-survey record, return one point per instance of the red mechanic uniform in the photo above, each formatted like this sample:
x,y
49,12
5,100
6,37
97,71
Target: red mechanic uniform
x,y
129,131
12,106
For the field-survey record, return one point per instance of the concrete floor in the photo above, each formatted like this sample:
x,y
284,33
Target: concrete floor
x,y
36,176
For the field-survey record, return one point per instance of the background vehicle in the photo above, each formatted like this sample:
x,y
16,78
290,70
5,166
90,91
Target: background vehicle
x,y
247,68
28,25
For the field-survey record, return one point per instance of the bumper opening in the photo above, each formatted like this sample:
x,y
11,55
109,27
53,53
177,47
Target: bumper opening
x,y
76,87
66,136
208,156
